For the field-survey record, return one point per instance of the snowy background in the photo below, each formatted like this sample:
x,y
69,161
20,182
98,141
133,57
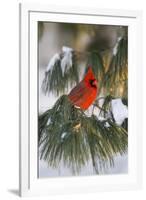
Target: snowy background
x,y
52,39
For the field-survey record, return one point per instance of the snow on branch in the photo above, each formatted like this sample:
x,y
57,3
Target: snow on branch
x,y
115,49
113,110
61,72
52,62
66,61
65,57
119,110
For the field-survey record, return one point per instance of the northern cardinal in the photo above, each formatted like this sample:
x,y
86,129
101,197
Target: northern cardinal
x,y
84,94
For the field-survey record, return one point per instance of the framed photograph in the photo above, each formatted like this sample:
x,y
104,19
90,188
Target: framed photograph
x,y
80,100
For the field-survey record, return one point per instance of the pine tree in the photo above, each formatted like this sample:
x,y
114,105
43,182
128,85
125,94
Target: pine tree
x,y
70,135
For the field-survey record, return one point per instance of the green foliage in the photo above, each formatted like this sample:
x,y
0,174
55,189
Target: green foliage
x,y
110,81
74,138
117,73
106,105
57,82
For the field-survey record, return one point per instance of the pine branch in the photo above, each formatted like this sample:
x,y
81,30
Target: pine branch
x,y
58,80
117,71
67,134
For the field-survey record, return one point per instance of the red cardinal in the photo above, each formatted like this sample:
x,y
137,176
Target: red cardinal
x,y
84,94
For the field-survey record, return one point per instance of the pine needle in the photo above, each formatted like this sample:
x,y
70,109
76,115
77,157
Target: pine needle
x,y
67,134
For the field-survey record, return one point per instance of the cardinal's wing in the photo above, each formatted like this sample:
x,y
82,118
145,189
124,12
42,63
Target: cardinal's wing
x,y
78,92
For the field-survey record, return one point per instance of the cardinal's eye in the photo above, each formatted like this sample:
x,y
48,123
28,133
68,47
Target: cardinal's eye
x,y
92,82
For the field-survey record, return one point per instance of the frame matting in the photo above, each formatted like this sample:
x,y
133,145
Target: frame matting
x,y
30,184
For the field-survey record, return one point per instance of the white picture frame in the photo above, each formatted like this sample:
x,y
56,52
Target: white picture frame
x,y
29,184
